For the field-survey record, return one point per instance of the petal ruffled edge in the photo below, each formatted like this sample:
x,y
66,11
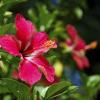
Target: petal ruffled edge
x,y
45,67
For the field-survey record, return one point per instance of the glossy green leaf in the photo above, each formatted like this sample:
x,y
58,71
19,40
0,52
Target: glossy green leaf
x,y
20,90
3,89
58,89
94,81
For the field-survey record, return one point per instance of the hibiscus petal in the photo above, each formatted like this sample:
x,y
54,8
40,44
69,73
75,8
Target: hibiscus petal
x,y
28,72
41,44
9,44
44,66
72,31
80,44
79,61
39,39
86,62
25,29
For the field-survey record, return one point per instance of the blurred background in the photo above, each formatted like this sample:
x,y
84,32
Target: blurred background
x,y
52,16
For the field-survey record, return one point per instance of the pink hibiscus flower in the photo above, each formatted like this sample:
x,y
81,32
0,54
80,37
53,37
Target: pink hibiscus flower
x,y
29,45
78,47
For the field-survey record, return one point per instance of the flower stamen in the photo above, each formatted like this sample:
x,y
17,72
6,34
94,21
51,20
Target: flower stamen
x,y
49,44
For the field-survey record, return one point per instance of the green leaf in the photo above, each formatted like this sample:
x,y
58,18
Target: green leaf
x,y
7,97
58,89
34,93
8,2
20,90
43,92
94,81
45,17
3,89
5,4
32,15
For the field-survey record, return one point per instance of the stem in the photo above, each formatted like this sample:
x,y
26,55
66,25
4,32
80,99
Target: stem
x,y
35,97
34,94
31,93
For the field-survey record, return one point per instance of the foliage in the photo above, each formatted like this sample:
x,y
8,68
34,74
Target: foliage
x,y
51,16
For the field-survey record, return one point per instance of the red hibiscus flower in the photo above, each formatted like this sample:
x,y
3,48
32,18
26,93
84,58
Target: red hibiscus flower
x,y
29,45
78,47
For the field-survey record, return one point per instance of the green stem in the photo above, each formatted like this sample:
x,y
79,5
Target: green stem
x,y
35,97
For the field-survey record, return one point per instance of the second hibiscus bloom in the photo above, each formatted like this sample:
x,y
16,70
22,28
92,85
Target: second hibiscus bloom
x,y
78,47
29,45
